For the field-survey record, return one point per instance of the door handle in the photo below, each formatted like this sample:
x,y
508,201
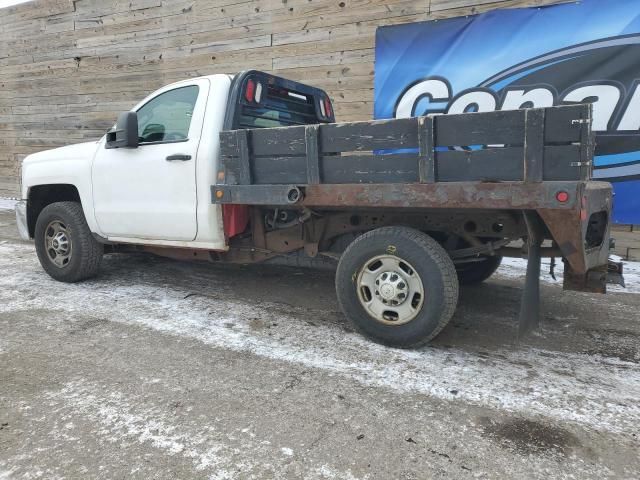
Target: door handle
x,y
178,156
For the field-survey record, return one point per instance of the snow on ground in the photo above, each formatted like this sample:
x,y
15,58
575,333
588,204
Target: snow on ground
x,y
517,267
585,389
7,203
125,419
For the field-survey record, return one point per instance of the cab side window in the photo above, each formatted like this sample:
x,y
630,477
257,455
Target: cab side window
x,y
167,117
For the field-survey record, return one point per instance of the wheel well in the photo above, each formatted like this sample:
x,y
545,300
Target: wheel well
x,y
42,195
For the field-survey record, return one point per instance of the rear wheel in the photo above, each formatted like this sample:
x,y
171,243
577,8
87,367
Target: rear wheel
x,y
397,286
65,246
477,272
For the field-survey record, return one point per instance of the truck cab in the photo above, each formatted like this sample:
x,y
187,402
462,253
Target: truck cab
x,y
156,190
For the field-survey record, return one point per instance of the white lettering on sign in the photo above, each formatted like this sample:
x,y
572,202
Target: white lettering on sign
x,y
606,98
435,90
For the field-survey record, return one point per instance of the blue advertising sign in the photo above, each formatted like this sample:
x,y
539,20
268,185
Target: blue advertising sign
x,y
587,51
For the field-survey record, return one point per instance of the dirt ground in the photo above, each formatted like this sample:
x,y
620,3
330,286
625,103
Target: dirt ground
x,y
163,370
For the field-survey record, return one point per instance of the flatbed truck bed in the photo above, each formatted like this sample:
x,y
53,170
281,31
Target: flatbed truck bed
x,y
475,182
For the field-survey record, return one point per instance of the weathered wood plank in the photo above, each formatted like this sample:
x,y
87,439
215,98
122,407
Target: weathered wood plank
x,y
486,165
558,162
560,124
448,8
279,141
400,168
279,170
372,135
502,127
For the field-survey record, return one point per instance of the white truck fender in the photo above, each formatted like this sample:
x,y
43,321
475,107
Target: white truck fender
x,y
70,165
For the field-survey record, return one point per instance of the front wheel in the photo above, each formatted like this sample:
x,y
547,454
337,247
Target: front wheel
x,y
65,246
397,286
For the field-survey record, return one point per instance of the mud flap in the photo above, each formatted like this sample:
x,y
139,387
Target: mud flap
x,y
530,303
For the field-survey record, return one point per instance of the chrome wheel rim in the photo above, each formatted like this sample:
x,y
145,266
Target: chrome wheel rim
x,y
390,290
57,242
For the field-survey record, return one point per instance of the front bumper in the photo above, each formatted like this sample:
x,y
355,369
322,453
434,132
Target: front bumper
x,y
21,219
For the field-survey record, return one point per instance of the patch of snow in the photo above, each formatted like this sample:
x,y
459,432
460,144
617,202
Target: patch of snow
x,y
517,268
32,473
286,451
591,390
7,474
123,418
330,474
7,204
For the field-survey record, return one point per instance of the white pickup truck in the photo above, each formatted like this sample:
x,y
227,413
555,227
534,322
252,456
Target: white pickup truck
x,y
251,168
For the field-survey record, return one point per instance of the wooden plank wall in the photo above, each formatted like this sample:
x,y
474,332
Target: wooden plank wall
x,y
68,66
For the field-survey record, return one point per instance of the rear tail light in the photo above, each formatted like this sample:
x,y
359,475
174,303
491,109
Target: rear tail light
x,y
562,196
327,107
249,92
326,112
258,92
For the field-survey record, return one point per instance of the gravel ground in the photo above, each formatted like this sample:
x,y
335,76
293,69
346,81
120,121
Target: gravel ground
x,y
161,369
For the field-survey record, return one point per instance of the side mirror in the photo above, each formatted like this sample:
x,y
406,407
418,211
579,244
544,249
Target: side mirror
x,y
125,135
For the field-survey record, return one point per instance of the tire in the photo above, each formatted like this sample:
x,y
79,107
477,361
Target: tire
x,y
477,272
419,263
77,255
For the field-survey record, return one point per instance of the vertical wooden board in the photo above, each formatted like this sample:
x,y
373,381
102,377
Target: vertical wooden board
x,y
533,144
426,153
228,143
587,144
242,143
231,169
313,162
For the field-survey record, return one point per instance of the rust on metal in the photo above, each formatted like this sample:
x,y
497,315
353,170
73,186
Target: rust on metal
x,y
504,195
568,229
592,281
474,195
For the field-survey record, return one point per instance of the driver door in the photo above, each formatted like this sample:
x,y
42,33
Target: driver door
x,y
149,192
